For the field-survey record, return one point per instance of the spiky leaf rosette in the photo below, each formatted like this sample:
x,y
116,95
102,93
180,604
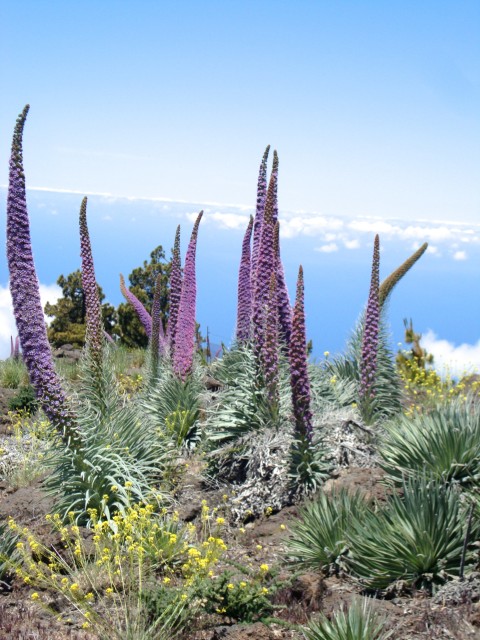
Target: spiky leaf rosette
x,y
173,406
143,315
417,538
284,308
94,328
389,283
27,306
175,292
244,304
258,223
358,621
368,363
444,442
185,338
264,270
241,406
299,379
317,540
123,456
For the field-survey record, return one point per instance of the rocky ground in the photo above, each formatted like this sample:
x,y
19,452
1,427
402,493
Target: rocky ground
x,y
453,613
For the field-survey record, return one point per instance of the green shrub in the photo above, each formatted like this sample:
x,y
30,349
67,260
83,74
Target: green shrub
x,y
444,443
13,374
244,600
24,400
417,538
319,538
357,622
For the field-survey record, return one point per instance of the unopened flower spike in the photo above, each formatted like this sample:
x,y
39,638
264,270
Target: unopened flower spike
x,y
389,283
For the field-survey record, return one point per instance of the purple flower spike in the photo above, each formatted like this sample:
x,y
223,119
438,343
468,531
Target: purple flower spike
x,y
175,292
265,268
368,365
185,336
244,308
275,186
299,380
140,310
27,306
157,340
284,308
261,199
94,329
270,346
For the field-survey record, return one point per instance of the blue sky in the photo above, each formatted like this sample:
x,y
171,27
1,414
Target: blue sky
x,y
373,107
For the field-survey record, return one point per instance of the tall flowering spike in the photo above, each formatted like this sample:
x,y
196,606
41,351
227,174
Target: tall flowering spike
x,y
27,306
299,380
244,308
259,213
265,268
175,292
275,186
157,339
94,329
368,365
284,308
270,345
185,336
140,310
389,283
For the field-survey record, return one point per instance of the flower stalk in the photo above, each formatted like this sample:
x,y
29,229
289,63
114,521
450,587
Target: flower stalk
x,y
368,363
244,308
299,380
27,306
185,330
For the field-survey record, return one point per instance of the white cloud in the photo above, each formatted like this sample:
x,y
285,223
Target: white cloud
x,y
327,248
460,255
229,220
308,225
431,249
352,244
48,293
448,357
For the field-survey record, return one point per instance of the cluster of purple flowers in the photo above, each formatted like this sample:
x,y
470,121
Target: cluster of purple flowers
x,y
179,340
264,313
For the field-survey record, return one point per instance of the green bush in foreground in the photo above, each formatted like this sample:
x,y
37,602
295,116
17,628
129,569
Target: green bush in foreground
x,y
417,538
357,622
319,537
444,443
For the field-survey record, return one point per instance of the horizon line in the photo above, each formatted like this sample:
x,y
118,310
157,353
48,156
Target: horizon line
x,y
241,207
